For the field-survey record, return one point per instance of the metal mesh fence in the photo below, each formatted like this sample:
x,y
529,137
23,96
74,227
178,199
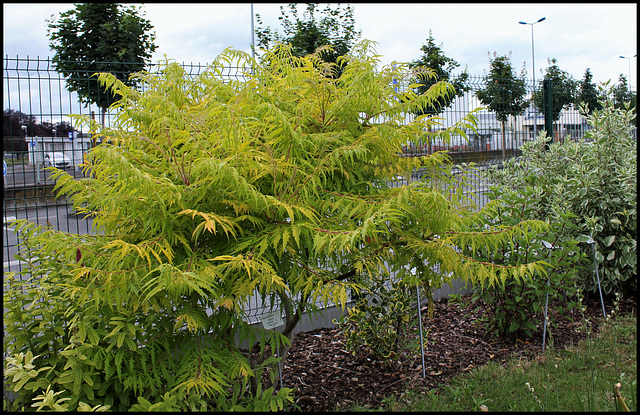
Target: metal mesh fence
x,y
38,132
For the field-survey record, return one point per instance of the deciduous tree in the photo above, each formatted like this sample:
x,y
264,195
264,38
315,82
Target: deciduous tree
x,y
503,92
564,90
623,96
99,37
589,93
13,121
333,27
442,67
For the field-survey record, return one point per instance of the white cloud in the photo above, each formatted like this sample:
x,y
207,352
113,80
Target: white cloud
x,y
578,35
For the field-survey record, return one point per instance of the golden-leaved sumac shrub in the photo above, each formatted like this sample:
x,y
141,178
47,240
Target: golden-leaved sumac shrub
x,y
206,192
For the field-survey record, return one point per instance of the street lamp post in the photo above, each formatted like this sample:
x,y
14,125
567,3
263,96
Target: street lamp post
x,y
253,32
624,57
533,61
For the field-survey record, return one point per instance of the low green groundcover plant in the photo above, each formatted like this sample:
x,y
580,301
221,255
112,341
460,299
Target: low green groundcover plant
x,y
383,322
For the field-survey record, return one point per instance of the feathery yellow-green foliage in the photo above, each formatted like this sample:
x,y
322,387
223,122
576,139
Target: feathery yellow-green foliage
x,y
205,191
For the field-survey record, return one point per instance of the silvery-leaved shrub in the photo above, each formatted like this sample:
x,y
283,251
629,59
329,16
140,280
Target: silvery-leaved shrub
x,y
594,179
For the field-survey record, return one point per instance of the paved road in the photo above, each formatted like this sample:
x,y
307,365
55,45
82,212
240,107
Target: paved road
x,y
60,216
29,175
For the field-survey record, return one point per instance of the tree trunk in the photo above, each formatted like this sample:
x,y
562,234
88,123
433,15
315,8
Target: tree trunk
x,y
291,321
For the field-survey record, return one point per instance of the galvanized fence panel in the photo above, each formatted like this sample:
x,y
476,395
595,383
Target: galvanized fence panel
x,y
36,100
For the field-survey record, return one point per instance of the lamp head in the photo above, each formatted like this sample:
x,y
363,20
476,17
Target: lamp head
x,y
522,22
541,20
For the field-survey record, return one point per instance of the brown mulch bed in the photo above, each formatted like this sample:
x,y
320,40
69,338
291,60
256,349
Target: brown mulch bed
x,y
327,377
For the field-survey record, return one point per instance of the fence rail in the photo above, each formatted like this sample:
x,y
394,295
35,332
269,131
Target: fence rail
x,y
38,132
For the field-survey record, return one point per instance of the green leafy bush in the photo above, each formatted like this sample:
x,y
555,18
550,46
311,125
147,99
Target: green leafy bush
x,y
382,322
516,306
595,180
101,357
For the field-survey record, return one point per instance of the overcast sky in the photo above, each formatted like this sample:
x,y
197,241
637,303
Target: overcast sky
x,y
579,36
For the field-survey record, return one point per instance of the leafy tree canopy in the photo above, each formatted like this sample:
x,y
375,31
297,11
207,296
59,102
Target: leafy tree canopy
x,y
333,26
504,93
13,121
623,96
564,90
442,67
621,92
588,93
99,37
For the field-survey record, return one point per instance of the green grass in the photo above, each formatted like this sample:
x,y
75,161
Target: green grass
x,y
578,378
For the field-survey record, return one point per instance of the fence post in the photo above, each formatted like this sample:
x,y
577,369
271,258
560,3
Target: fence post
x,y
548,111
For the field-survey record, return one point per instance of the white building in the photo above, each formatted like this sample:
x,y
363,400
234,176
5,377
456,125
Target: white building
x,y
571,123
518,129
488,135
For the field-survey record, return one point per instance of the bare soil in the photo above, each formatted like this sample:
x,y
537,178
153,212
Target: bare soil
x,y
327,377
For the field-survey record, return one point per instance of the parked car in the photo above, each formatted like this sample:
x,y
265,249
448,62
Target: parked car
x,y
58,160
